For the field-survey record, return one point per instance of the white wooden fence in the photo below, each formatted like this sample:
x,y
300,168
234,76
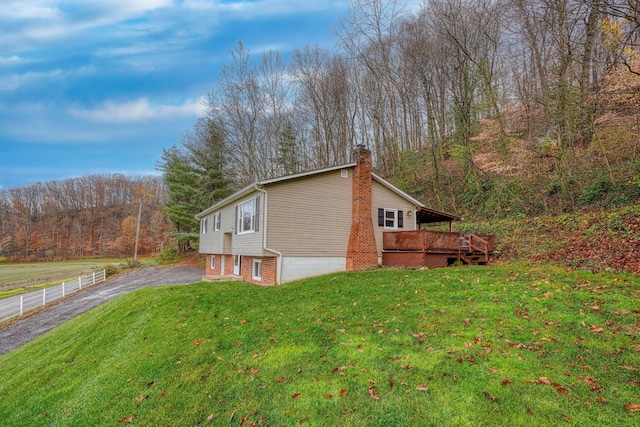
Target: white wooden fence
x,y
21,304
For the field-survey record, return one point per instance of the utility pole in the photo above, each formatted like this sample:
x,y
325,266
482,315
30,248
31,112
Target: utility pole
x,y
135,250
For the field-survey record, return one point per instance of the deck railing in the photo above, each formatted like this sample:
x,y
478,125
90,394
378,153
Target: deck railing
x,y
477,243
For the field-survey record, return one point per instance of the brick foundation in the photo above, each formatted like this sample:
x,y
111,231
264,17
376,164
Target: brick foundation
x,y
269,270
362,253
216,270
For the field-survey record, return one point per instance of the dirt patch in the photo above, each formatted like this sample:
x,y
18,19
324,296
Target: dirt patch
x,y
30,327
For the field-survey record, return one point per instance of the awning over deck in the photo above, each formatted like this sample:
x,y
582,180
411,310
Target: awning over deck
x,y
429,216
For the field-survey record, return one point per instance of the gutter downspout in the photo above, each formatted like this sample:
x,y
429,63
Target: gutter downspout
x,y
264,234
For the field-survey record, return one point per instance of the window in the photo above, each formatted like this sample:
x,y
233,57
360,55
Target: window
x,y
213,262
257,269
216,222
203,225
390,219
248,216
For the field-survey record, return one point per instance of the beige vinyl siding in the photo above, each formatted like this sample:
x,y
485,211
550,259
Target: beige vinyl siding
x,y
382,197
212,242
247,243
310,216
208,240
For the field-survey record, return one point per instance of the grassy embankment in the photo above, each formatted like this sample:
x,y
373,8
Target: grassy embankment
x,y
498,345
20,278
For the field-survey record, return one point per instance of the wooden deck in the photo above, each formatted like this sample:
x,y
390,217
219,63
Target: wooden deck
x,y
433,249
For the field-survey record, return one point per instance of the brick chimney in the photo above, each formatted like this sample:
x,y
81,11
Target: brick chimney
x,y
362,253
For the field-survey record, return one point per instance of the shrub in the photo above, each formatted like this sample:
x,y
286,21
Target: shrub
x,y
130,264
593,193
111,269
169,255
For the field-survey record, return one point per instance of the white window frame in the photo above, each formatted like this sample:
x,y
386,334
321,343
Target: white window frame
x,y
203,225
241,216
395,219
216,222
256,265
213,262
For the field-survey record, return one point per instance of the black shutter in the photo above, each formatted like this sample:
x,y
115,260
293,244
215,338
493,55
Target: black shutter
x,y
257,217
381,217
400,221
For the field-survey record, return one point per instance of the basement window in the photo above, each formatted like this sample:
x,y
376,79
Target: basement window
x,y
213,262
256,273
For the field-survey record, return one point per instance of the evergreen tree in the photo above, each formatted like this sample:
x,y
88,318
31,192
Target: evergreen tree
x,y
181,178
206,152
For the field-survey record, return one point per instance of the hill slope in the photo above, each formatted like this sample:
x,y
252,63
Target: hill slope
x,y
460,346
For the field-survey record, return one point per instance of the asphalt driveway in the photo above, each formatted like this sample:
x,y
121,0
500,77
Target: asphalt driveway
x,y
24,330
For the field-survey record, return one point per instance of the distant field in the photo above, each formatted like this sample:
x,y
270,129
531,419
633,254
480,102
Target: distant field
x,y
31,275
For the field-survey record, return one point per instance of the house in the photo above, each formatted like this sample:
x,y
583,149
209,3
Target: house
x,y
311,223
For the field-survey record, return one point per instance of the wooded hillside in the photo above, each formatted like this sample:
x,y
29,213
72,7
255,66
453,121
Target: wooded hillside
x,y
90,216
482,108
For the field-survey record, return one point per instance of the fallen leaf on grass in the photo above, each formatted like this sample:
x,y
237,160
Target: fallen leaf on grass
x,y
210,417
127,419
489,396
542,380
422,387
343,392
596,329
280,380
328,396
198,341
632,407
506,383
295,396
494,370
372,392
588,380
631,368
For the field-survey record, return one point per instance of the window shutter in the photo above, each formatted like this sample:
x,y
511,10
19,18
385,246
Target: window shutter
x,y
381,217
257,214
235,227
400,220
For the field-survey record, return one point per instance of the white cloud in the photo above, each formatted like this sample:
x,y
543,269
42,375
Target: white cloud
x,y
139,110
10,60
15,81
252,9
29,23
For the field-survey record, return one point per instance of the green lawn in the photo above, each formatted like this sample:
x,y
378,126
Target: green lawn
x,y
17,278
465,346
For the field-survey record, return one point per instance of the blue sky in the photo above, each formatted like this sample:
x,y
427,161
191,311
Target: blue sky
x,y
102,86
